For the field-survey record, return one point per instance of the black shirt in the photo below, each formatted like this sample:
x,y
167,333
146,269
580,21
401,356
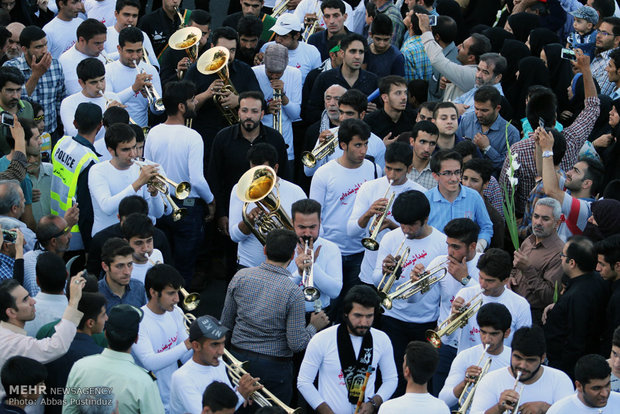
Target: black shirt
x,y
319,40
381,124
168,62
613,317
575,323
229,161
158,26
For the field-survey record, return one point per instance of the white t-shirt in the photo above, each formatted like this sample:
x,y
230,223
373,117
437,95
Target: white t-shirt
x,y
322,357
69,61
517,305
573,405
109,185
120,78
335,188
421,307
411,403
368,193
102,10
290,112
70,104
139,270
102,149
250,251
552,386
111,46
189,383
305,58
314,6
376,149
466,359
61,35
160,344
180,152
327,272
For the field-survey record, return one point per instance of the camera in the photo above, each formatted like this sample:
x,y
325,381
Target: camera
x,y
7,119
432,20
9,236
568,54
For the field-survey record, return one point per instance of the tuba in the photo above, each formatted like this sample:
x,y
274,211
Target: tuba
x,y
277,117
456,321
257,185
262,397
280,9
386,283
311,293
467,396
309,158
215,60
371,242
188,39
151,93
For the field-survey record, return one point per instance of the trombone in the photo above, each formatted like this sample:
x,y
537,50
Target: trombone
x,y
384,288
277,117
311,293
280,9
263,397
215,60
409,288
151,93
454,322
467,396
309,158
371,242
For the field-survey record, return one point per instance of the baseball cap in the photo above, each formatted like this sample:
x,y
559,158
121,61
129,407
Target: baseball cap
x,y
124,319
207,326
586,13
285,24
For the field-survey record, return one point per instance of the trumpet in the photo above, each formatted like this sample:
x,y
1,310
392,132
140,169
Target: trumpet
x,y
105,57
280,9
263,397
422,285
371,242
190,300
313,28
467,396
181,20
188,319
384,288
215,60
151,93
311,293
309,158
515,407
457,321
277,117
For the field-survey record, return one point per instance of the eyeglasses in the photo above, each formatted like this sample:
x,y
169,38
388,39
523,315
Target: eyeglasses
x,y
604,34
562,255
61,233
39,118
456,173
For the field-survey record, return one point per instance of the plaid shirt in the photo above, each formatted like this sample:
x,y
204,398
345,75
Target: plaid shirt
x,y
575,136
266,312
493,194
424,178
397,19
49,92
6,267
417,63
599,73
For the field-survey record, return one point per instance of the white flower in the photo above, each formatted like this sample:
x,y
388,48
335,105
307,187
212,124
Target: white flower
x,y
515,165
513,181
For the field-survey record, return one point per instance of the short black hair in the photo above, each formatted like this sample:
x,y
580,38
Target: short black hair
x,y
495,315
466,147
591,367
422,359
410,207
175,93
249,25
542,103
11,74
121,4
280,245
386,82
262,153
444,155
137,225
355,99
7,301
498,61
137,129
479,46
115,115
581,250
160,277
118,134
305,206
463,229
90,28
350,128
130,34
530,341
488,93
51,273
115,247
219,396
495,263
31,34
424,126
418,89
482,166
90,68
446,29
350,38
256,95
90,305
224,32
132,204
398,152
201,17
606,10
363,295
333,4
382,25
559,145
615,339
21,371
90,120
595,172
609,248
444,105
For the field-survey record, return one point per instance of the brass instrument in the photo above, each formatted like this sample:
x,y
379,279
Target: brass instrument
x,y
188,319
313,28
371,242
277,117
384,288
190,300
309,158
454,322
215,60
188,39
258,185
409,288
151,93
181,20
145,130
467,396
311,293
280,9
515,408
262,397
105,57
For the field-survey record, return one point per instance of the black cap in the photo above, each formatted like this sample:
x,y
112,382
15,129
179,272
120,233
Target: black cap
x,y
124,319
88,110
207,326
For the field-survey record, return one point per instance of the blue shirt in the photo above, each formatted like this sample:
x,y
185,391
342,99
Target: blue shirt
x,y
25,184
134,295
468,97
469,127
391,62
468,204
6,266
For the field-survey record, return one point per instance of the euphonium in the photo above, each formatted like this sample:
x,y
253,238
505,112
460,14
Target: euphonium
x,y
454,322
467,396
310,292
280,9
257,185
371,242
151,93
384,288
188,39
277,117
313,27
215,60
182,22
309,158
190,300
427,279
262,397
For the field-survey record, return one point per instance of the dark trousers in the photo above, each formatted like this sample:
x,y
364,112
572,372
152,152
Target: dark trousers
x,y
350,277
447,354
401,333
185,236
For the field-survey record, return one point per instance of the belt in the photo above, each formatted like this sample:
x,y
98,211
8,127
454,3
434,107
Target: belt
x,y
261,356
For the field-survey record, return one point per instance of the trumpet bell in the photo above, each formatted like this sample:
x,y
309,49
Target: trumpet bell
x,y
308,159
311,294
386,301
433,338
370,244
191,301
213,60
182,190
185,38
178,214
256,184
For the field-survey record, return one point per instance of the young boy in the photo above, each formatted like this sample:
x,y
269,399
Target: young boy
x,y
584,36
138,231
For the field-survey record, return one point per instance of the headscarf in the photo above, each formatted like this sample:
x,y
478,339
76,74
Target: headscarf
x,y
532,71
607,216
497,36
561,73
540,37
513,51
601,126
453,9
522,24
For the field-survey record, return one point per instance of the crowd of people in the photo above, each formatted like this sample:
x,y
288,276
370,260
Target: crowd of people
x,y
414,206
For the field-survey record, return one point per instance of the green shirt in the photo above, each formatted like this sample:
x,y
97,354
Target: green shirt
x,y
47,330
116,372
24,111
268,23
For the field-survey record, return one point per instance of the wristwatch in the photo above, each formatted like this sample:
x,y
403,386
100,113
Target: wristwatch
x,y
547,154
465,280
